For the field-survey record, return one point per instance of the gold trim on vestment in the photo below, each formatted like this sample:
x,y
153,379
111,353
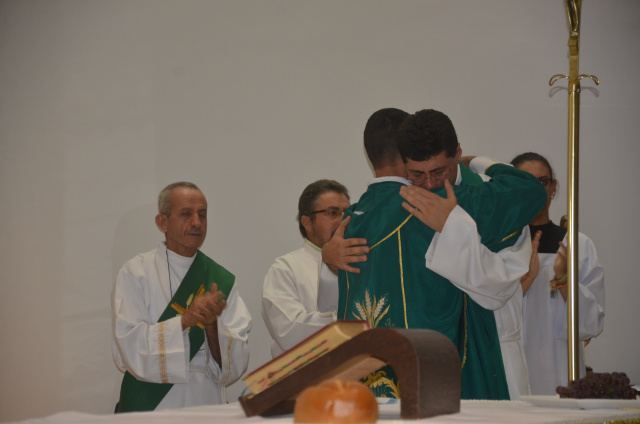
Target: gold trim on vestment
x,y
510,235
379,379
392,232
404,297
226,381
487,168
404,301
163,353
346,303
371,312
464,354
182,311
397,230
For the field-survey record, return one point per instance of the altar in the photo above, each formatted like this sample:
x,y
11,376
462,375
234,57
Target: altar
x,y
497,412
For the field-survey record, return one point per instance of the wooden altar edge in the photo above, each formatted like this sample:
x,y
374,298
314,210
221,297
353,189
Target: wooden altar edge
x,y
426,363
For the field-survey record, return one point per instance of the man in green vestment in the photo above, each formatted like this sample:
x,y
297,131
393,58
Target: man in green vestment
x,y
180,328
394,288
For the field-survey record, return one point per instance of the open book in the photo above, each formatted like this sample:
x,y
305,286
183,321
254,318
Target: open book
x,y
305,352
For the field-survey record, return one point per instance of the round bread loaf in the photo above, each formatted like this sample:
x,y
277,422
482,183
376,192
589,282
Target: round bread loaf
x,y
337,402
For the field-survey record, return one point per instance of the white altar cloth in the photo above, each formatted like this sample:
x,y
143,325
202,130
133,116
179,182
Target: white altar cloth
x,y
497,412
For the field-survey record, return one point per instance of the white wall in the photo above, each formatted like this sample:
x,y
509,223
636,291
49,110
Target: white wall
x,y
103,103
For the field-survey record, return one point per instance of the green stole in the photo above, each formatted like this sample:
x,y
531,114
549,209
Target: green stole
x,y
136,395
483,350
395,289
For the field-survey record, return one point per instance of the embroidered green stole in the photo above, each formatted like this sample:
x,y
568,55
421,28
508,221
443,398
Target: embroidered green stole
x,y
136,395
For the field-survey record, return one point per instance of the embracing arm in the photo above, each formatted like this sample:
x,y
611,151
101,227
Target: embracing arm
x,y
490,278
505,204
339,252
457,253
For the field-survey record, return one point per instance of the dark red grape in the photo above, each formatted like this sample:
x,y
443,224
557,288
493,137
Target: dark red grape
x,y
599,385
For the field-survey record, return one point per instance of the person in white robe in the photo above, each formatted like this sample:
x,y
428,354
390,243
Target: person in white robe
x,y
545,309
290,288
160,352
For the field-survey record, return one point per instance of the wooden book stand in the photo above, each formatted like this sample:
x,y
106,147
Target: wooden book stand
x,y
426,363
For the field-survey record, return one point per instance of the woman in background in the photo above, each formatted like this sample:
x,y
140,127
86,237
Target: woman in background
x,y
545,291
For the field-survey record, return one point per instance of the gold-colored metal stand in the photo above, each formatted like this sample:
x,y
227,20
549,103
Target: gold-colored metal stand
x,y
573,10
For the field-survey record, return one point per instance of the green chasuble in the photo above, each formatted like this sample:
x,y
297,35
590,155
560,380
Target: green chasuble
x,y
395,289
136,395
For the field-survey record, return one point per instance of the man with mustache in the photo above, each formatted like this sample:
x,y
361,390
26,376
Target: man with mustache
x,y
180,328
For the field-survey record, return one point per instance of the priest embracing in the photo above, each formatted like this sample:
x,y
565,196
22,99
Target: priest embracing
x,y
180,328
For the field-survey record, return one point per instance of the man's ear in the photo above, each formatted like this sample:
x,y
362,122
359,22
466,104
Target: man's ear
x,y
161,222
306,223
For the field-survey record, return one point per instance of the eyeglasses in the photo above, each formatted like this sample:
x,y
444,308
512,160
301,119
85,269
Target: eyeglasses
x,y
330,212
546,182
436,176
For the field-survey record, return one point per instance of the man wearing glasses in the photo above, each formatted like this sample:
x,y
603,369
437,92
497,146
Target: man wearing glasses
x,y
394,288
432,160
290,288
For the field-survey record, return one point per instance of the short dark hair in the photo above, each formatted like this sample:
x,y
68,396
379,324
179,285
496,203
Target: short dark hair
x,y
380,135
310,195
164,205
425,134
535,157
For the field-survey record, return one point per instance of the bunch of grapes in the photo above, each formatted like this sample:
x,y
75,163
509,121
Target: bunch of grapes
x,y
602,385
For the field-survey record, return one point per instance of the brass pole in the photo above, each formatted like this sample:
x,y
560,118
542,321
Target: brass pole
x,y
573,9
573,339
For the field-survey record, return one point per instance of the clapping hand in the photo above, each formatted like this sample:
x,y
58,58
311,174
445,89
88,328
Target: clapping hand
x,y
205,309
